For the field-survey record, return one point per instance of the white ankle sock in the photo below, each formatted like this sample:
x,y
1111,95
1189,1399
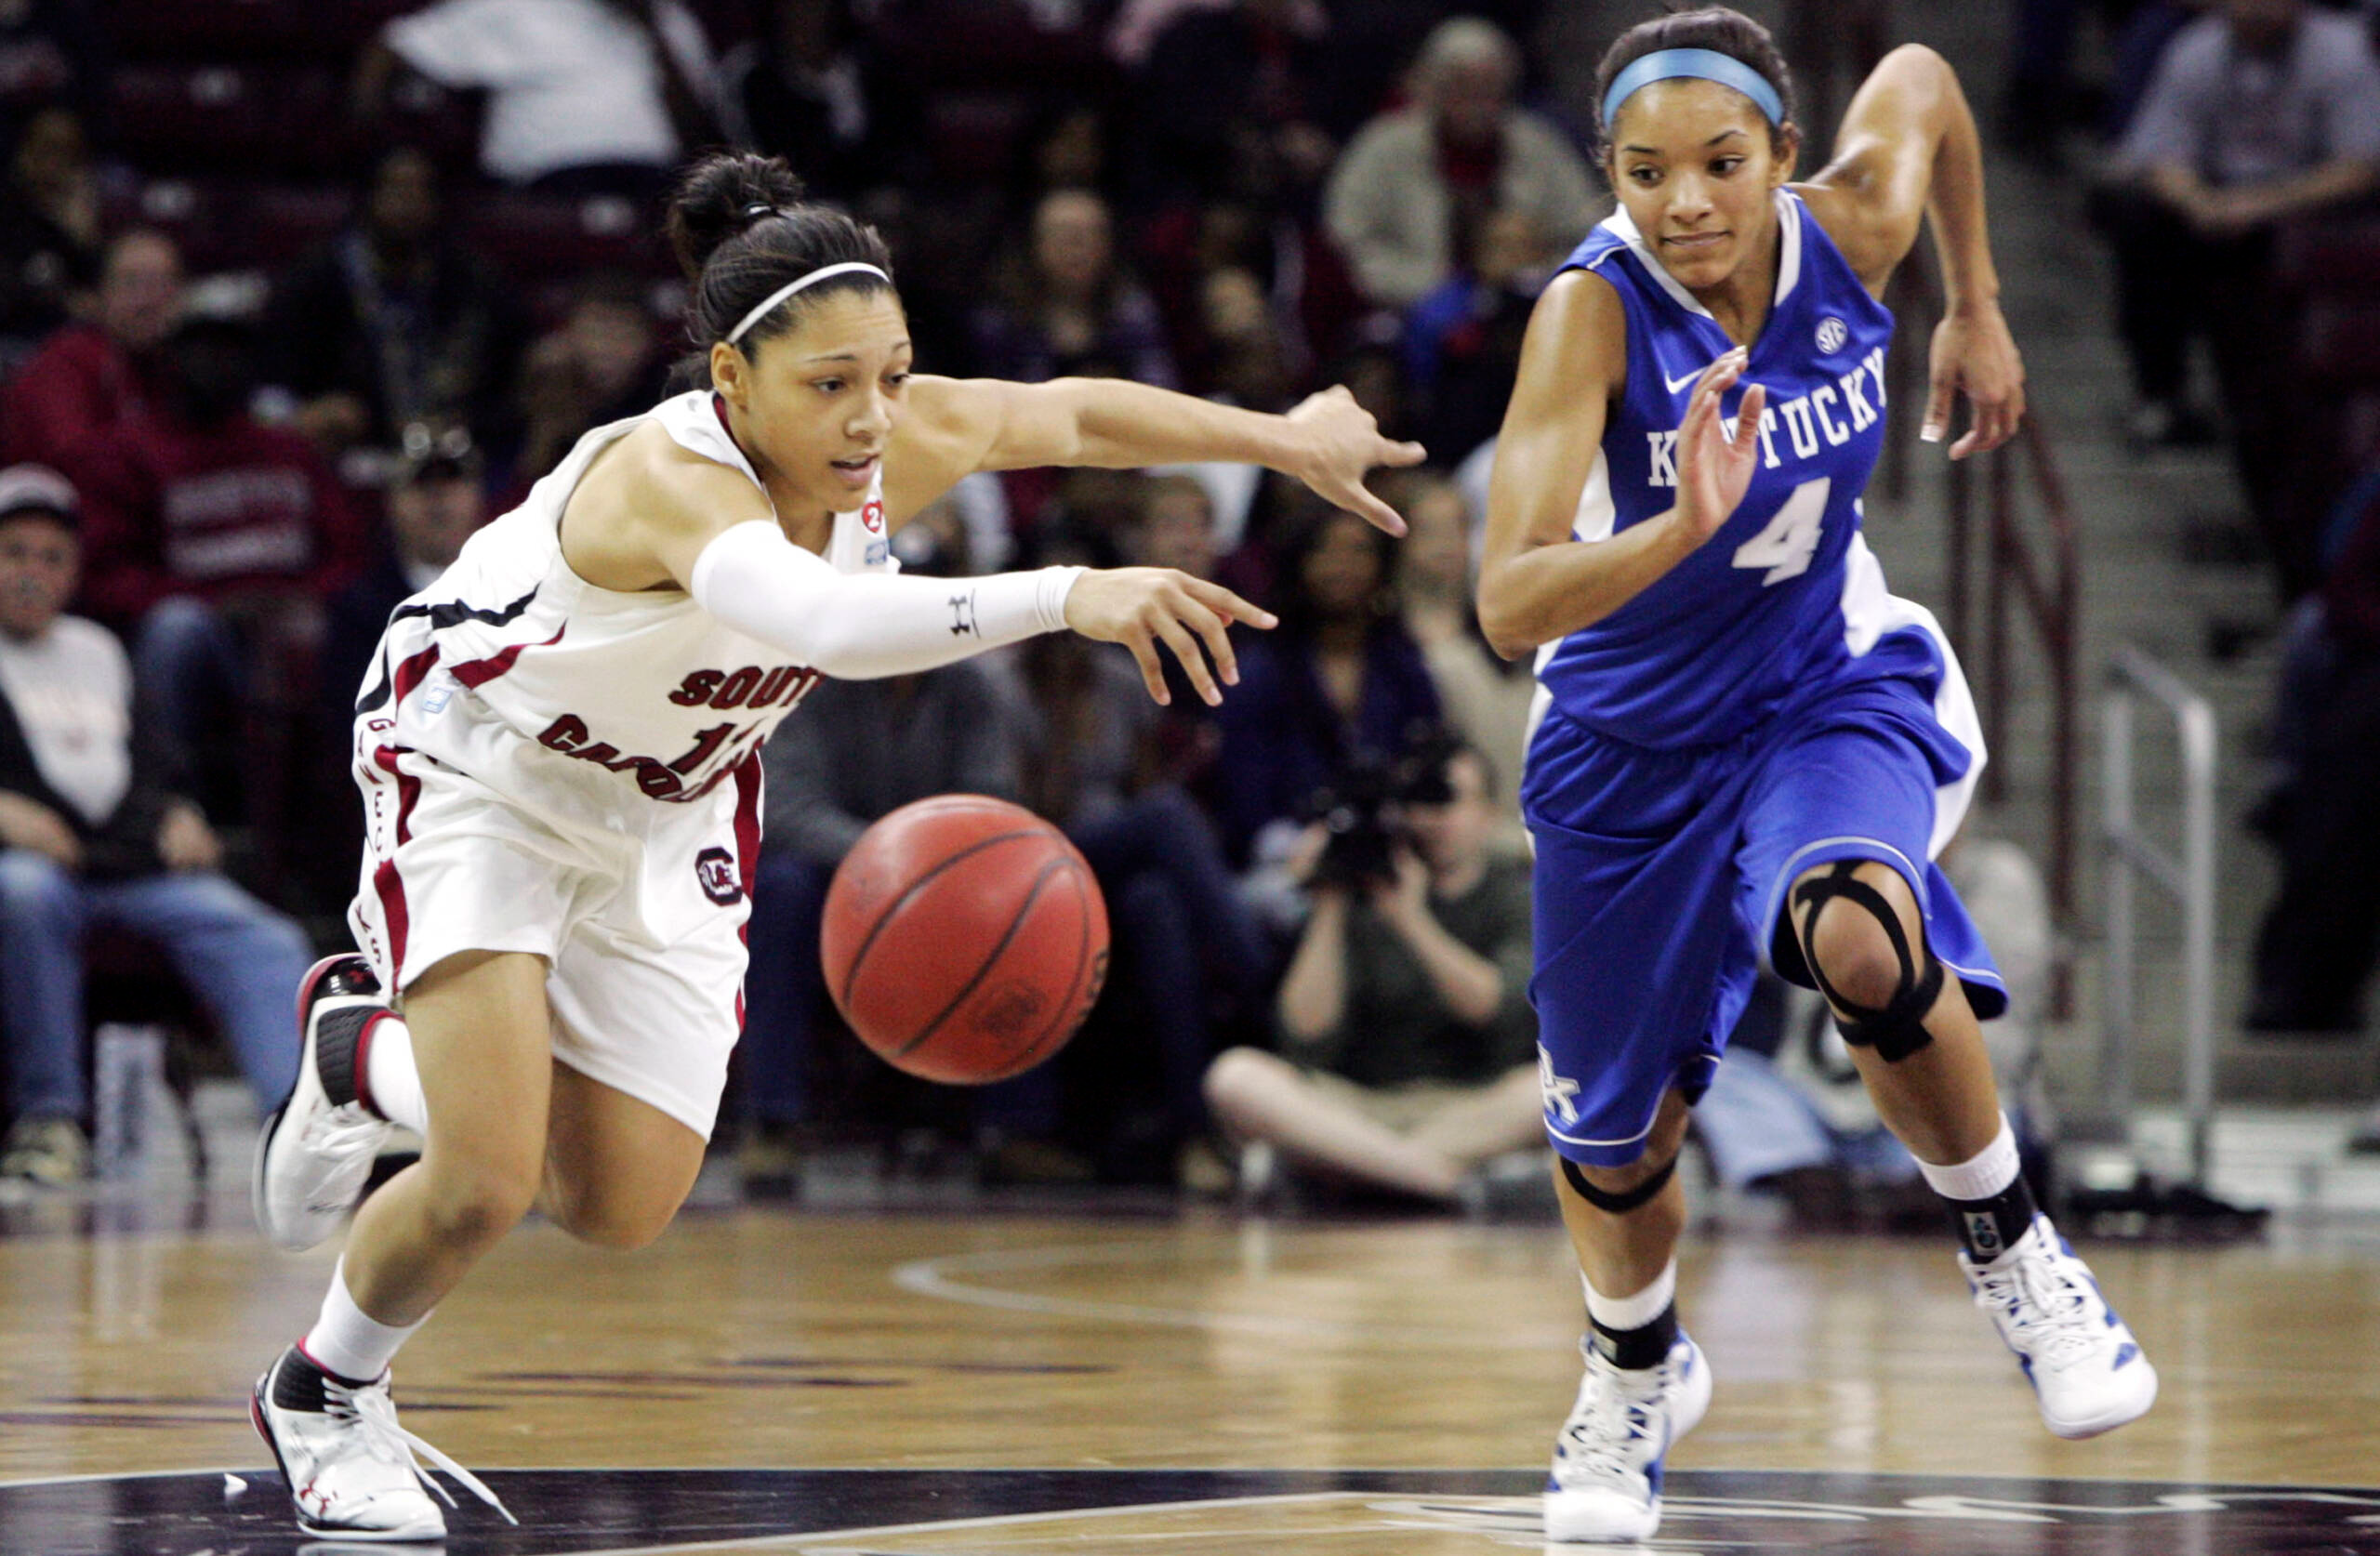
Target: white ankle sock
x,y
1989,1173
351,1342
391,1081
1632,1313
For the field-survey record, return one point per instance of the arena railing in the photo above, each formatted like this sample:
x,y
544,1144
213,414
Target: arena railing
x,y
2032,572
2187,877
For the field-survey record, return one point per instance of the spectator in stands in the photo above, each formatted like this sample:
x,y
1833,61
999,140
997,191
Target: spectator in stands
x,y
96,835
1257,229
436,499
2315,949
2266,110
216,541
1485,697
95,378
1068,307
49,234
1462,341
807,90
435,503
1174,528
1408,1051
1096,762
1339,680
1175,525
1249,362
873,747
604,362
1413,183
394,322
584,96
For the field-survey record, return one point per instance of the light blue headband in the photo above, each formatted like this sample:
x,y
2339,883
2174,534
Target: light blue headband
x,y
1708,64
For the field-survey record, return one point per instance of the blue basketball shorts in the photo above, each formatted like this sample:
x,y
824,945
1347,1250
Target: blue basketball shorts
x,y
1661,876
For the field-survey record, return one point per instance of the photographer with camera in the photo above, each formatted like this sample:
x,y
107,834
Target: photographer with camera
x,y
1407,1046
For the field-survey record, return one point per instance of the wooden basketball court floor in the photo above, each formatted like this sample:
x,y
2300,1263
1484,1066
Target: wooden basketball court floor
x,y
1285,1356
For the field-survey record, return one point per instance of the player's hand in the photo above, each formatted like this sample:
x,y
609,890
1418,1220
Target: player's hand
x,y
1975,353
1141,607
1343,441
1714,470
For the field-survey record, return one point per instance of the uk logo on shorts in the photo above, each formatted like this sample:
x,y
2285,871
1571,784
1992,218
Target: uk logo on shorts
x,y
871,518
1832,332
716,870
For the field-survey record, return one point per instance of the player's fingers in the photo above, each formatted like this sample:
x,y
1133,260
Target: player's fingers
x,y
1748,414
1186,648
1221,600
1721,375
1987,431
1939,400
1357,499
1400,454
1214,631
1152,668
1998,424
1701,411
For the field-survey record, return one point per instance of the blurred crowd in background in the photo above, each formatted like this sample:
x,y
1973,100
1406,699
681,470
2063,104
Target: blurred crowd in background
x,y
293,297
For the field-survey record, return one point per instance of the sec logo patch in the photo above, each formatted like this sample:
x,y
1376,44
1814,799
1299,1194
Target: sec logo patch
x,y
1832,332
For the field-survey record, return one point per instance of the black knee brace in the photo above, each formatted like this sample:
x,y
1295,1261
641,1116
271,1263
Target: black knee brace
x,y
1897,1030
1627,1199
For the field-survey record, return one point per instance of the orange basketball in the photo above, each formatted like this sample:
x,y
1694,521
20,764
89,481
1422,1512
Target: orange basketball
x,y
964,938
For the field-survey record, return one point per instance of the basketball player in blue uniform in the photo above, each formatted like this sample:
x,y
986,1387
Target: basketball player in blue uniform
x,y
1748,748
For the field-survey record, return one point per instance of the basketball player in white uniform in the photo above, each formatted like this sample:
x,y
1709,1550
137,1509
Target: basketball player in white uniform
x,y
557,748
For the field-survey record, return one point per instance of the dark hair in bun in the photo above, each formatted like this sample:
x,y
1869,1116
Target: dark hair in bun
x,y
741,229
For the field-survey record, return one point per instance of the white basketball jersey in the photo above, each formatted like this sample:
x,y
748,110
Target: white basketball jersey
x,y
565,696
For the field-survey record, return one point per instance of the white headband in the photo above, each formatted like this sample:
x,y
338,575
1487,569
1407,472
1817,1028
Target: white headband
x,y
822,272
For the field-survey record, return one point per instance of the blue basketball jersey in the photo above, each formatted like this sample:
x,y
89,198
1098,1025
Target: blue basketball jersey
x,y
1766,606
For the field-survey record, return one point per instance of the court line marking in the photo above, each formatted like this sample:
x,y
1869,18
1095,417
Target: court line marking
x,y
934,1278
809,1544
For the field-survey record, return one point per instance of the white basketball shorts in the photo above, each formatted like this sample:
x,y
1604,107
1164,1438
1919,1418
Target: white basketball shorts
x,y
643,934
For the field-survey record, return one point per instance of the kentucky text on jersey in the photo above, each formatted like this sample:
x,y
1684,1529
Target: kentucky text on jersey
x,y
1834,412
1766,606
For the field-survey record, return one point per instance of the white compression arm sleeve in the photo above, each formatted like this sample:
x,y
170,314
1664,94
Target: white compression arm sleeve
x,y
858,625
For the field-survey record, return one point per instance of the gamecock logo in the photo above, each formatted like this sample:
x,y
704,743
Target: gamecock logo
x,y
716,870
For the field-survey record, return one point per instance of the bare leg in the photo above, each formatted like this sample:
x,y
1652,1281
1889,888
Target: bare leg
x,y
480,1038
1621,1254
1941,1100
1508,1114
1258,1097
617,1168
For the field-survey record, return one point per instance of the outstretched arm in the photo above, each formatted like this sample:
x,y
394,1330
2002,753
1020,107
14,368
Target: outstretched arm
x,y
712,534
1909,151
956,427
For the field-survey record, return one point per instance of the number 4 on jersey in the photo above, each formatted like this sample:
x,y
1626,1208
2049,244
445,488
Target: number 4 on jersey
x,y
1792,538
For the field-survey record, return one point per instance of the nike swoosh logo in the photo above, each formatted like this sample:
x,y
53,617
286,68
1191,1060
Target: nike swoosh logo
x,y
1676,383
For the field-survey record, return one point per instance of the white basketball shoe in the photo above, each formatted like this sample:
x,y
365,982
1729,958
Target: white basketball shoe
x,y
1607,1480
317,1147
350,1465
2089,1374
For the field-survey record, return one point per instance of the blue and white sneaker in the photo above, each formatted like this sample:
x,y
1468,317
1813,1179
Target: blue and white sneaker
x,y
2089,1374
1606,1480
